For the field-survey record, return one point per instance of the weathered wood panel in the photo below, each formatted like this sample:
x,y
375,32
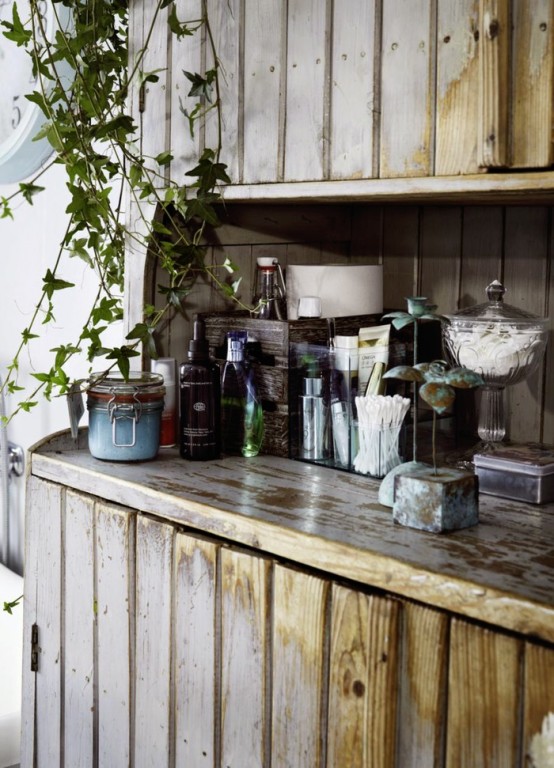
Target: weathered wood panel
x,y
494,83
48,679
364,658
354,91
407,61
115,621
244,660
532,66
538,691
457,87
264,79
78,640
152,727
307,101
439,255
186,56
423,696
526,267
299,659
483,704
196,660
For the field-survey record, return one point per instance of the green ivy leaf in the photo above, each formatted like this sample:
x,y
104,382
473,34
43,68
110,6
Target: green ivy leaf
x,y
29,190
180,29
51,283
16,31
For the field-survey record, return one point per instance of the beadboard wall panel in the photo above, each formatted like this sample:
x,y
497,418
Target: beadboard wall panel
x,y
447,253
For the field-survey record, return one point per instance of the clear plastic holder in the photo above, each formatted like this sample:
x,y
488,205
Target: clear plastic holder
x,y
324,426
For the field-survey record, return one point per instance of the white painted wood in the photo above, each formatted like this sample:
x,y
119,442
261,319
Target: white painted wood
x,y
186,56
298,662
264,72
48,709
34,494
354,100
226,22
306,129
244,585
195,662
114,547
152,727
457,88
78,640
406,90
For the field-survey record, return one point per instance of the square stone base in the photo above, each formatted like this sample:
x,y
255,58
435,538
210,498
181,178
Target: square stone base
x,y
440,502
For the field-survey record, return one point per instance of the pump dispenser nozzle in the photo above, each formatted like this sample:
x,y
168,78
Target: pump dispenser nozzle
x,y
199,348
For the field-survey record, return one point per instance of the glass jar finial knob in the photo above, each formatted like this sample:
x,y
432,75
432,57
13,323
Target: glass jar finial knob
x,y
495,291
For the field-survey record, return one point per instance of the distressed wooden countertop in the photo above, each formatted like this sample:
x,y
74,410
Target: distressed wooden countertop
x,y
501,571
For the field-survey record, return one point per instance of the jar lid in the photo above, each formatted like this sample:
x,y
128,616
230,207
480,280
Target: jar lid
x,y
137,383
495,310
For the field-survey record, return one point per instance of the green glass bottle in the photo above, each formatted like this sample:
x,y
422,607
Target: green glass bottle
x,y
242,422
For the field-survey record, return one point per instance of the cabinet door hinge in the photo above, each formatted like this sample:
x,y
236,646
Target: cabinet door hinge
x,y
34,648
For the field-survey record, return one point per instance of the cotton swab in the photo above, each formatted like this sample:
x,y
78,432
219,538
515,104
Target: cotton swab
x,y
380,419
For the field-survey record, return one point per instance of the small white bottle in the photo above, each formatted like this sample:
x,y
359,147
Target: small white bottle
x,y
167,367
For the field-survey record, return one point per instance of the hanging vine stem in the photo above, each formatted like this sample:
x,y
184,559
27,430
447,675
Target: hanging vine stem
x,y
95,141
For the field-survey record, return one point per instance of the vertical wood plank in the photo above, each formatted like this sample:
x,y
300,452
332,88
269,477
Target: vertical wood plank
x,y
538,691
494,83
244,606
153,643
49,509
547,434
79,672
264,73
115,540
483,697
533,70
482,252
354,101
37,500
457,88
226,21
195,668
400,255
440,250
424,668
407,105
306,108
298,663
186,56
525,275
363,680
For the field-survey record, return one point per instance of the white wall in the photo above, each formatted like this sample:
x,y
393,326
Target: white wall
x,y
28,246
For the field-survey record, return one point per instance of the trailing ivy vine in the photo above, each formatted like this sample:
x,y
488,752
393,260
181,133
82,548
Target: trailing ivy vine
x,y
96,140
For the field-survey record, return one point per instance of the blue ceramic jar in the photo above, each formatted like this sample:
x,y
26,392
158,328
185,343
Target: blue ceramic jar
x,y
125,416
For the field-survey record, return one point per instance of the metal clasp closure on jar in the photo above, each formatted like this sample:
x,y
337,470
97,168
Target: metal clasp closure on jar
x,y
119,412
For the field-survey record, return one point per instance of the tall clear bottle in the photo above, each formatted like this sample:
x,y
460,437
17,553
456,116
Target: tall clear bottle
x,y
200,399
242,422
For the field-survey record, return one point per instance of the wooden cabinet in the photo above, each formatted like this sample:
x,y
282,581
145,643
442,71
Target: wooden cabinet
x,y
201,615
320,92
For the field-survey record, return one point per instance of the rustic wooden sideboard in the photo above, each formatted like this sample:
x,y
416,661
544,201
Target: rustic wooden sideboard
x,y
266,612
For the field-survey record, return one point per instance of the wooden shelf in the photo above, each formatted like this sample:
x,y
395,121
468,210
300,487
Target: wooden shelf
x,y
517,188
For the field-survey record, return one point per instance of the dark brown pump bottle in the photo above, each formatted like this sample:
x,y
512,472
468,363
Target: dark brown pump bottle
x,y
200,393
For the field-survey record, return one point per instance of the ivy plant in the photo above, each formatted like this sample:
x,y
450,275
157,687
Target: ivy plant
x,y
87,122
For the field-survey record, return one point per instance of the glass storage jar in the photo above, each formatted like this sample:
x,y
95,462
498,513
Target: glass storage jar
x,y
125,415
